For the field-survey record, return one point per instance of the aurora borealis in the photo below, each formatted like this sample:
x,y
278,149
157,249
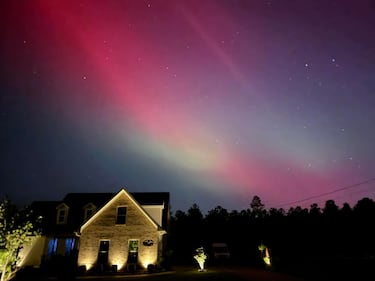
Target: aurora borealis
x,y
213,101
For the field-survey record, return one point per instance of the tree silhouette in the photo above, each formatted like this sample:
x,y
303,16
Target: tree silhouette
x,y
257,208
300,239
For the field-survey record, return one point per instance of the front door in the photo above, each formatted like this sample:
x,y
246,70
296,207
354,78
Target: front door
x,y
133,254
103,253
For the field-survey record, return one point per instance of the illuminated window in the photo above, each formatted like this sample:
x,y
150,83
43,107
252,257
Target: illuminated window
x,y
62,214
69,246
121,215
52,247
133,251
89,210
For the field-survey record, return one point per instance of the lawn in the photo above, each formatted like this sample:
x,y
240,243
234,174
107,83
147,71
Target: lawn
x,y
226,273
192,274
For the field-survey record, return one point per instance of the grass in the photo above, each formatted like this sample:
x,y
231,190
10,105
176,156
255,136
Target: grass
x,y
192,274
313,271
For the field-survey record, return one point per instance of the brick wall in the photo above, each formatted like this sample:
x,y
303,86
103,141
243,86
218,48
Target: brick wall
x,y
104,227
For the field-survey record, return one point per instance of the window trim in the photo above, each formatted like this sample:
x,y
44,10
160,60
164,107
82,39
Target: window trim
x,y
88,207
62,208
118,222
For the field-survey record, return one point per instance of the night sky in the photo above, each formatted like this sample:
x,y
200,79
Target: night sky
x,y
212,101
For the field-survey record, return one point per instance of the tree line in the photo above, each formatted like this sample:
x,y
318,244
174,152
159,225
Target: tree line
x,y
295,238
298,240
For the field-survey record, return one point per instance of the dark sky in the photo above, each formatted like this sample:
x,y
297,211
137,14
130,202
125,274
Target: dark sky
x,y
212,101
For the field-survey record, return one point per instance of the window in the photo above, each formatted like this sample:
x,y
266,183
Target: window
x,y
69,246
89,210
89,213
62,214
121,215
133,245
133,251
52,247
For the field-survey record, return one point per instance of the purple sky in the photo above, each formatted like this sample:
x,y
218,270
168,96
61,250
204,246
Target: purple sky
x,y
212,101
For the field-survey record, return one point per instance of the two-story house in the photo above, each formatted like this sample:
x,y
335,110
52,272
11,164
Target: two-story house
x,y
118,231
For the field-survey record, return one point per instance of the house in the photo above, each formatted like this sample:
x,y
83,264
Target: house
x,y
106,231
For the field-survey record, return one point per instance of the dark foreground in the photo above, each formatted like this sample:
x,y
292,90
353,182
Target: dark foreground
x,y
226,273
300,270
181,273
185,273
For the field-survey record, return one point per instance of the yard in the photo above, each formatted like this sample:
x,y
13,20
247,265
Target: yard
x,y
228,273
315,272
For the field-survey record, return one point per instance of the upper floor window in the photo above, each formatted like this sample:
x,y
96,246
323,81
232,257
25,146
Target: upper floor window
x,y
89,210
62,214
121,215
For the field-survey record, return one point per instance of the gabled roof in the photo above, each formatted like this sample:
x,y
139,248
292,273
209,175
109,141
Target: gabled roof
x,y
120,193
77,201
